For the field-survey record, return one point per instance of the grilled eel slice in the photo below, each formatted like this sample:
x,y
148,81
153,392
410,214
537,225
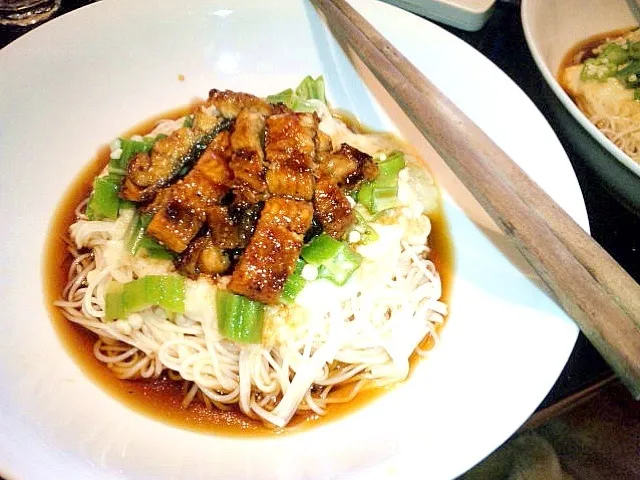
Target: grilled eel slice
x,y
230,103
247,160
273,250
290,150
182,208
337,172
347,166
332,208
149,172
203,257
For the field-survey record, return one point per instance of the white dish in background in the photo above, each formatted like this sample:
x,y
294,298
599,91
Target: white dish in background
x,y
465,14
87,76
551,29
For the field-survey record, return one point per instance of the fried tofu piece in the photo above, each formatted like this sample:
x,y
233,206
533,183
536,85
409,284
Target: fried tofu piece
x,y
273,250
230,103
247,160
348,166
290,151
332,208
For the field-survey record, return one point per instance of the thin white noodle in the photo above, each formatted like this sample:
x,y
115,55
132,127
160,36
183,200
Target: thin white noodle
x,y
329,360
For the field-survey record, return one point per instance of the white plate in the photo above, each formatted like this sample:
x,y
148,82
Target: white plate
x,y
80,80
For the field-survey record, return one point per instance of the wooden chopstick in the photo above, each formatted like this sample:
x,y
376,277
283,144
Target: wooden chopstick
x,y
591,287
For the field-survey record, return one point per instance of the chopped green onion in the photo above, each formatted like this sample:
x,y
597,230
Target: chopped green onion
x,y
335,259
388,170
622,62
309,89
114,306
597,69
155,250
285,96
135,296
294,284
188,121
126,205
239,318
365,196
129,149
170,290
104,201
339,268
382,192
633,50
134,234
136,239
320,249
630,74
615,54
166,291
367,232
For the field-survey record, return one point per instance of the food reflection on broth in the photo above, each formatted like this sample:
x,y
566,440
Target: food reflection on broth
x,y
602,76
257,258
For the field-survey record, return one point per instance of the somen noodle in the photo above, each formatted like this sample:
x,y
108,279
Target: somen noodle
x,y
326,346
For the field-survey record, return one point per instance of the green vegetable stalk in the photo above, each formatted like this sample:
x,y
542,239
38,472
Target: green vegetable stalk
x,y
309,89
166,291
239,318
104,202
335,259
382,192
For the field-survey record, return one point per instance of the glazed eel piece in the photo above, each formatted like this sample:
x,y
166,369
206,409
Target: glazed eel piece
x,y
273,250
149,172
291,150
180,210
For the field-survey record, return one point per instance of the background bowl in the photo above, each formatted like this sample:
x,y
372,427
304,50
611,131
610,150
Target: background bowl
x,y
551,29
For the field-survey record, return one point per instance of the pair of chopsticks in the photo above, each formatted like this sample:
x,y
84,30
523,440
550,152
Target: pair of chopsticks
x,y
588,284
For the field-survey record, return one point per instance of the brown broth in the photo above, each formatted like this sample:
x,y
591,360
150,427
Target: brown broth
x,y
583,50
162,399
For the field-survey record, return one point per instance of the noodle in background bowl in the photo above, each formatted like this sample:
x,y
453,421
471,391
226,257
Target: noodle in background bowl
x,y
504,344
551,29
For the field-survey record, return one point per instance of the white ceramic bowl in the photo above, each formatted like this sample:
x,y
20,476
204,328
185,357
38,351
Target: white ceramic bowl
x,y
83,78
553,27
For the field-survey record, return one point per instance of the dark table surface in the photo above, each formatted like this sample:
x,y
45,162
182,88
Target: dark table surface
x,y
612,225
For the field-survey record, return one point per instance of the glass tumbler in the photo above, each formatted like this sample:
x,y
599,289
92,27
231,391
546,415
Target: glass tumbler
x,y
26,12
